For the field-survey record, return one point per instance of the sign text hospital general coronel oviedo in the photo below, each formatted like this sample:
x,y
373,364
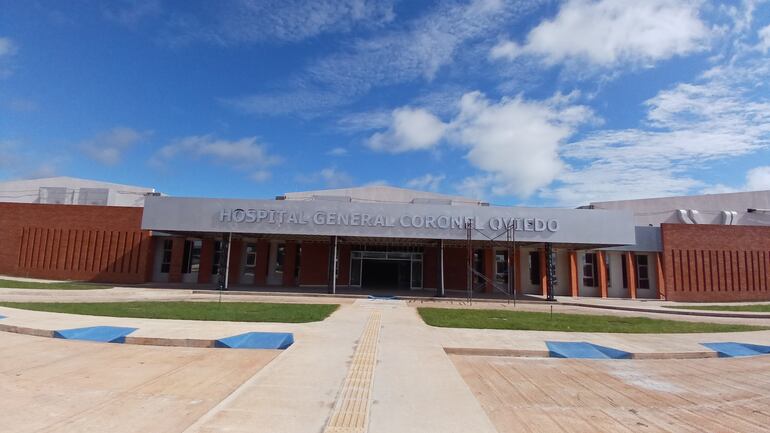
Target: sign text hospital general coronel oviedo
x,y
361,219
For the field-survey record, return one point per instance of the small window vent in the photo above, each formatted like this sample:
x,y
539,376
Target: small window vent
x,y
55,195
93,196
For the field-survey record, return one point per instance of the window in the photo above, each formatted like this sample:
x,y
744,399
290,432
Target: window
x,y
534,267
607,269
624,266
642,272
501,267
478,265
217,259
165,264
250,259
589,270
279,257
191,260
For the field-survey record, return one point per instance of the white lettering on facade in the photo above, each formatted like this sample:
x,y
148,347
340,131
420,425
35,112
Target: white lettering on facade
x,y
356,219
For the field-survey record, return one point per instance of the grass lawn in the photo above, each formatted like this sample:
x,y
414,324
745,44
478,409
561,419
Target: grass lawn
x,y
532,321
13,284
754,308
225,311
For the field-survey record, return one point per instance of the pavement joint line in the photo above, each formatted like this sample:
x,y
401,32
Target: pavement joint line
x,y
351,410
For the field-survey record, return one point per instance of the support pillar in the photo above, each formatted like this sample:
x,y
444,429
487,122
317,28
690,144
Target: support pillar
x,y
543,273
440,282
602,265
573,274
234,252
516,266
489,269
332,284
260,268
175,267
207,261
661,280
630,274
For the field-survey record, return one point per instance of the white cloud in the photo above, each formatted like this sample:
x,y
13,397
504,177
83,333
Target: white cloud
x,y
427,182
248,21
8,49
414,51
611,32
764,39
329,177
131,12
337,151
260,175
758,178
411,129
108,147
690,125
244,154
516,140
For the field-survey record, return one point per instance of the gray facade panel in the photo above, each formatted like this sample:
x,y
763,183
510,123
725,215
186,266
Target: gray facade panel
x,y
420,221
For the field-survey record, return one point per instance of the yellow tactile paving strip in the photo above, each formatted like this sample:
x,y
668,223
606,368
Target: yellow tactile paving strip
x,y
351,411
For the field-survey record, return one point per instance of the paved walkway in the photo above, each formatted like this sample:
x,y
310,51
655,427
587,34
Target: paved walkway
x,y
395,375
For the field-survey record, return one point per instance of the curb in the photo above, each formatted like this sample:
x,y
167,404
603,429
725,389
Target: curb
x,y
515,353
664,310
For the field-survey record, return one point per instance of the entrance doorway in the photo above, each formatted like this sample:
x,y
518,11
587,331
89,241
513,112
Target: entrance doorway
x,y
385,274
386,269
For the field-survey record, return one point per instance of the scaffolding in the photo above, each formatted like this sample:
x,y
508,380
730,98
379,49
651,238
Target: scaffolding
x,y
509,288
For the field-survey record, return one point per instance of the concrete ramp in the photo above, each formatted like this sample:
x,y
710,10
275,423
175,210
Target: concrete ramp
x,y
733,349
583,350
103,334
257,340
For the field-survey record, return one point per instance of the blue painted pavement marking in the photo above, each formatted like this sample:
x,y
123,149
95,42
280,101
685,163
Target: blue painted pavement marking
x,y
104,334
257,340
383,297
732,349
583,350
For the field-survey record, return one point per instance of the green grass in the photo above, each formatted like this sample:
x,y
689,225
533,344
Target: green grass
x,y
532,321
755,308
13,284
225,311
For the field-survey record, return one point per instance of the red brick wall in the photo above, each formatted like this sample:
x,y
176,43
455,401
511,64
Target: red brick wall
x,y
455,268
716,263
315,264
430,268
72,242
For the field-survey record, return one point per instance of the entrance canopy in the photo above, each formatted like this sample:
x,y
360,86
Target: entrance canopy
x,y
329,217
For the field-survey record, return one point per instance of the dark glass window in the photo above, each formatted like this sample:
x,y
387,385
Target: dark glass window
x,y
191,260
624,266
279,257
165,264
590,270
534,267
251,259
217,258
501,267
642,272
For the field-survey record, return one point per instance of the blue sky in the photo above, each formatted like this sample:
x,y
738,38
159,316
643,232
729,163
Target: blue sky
x,y
548,103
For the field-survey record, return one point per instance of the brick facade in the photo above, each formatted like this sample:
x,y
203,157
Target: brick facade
x,y
712,263
72,242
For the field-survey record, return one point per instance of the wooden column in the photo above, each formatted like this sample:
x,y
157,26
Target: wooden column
x,y
661,280
573,274
289,263
543,273
175,268
630,274
602,265
489,268
207,261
